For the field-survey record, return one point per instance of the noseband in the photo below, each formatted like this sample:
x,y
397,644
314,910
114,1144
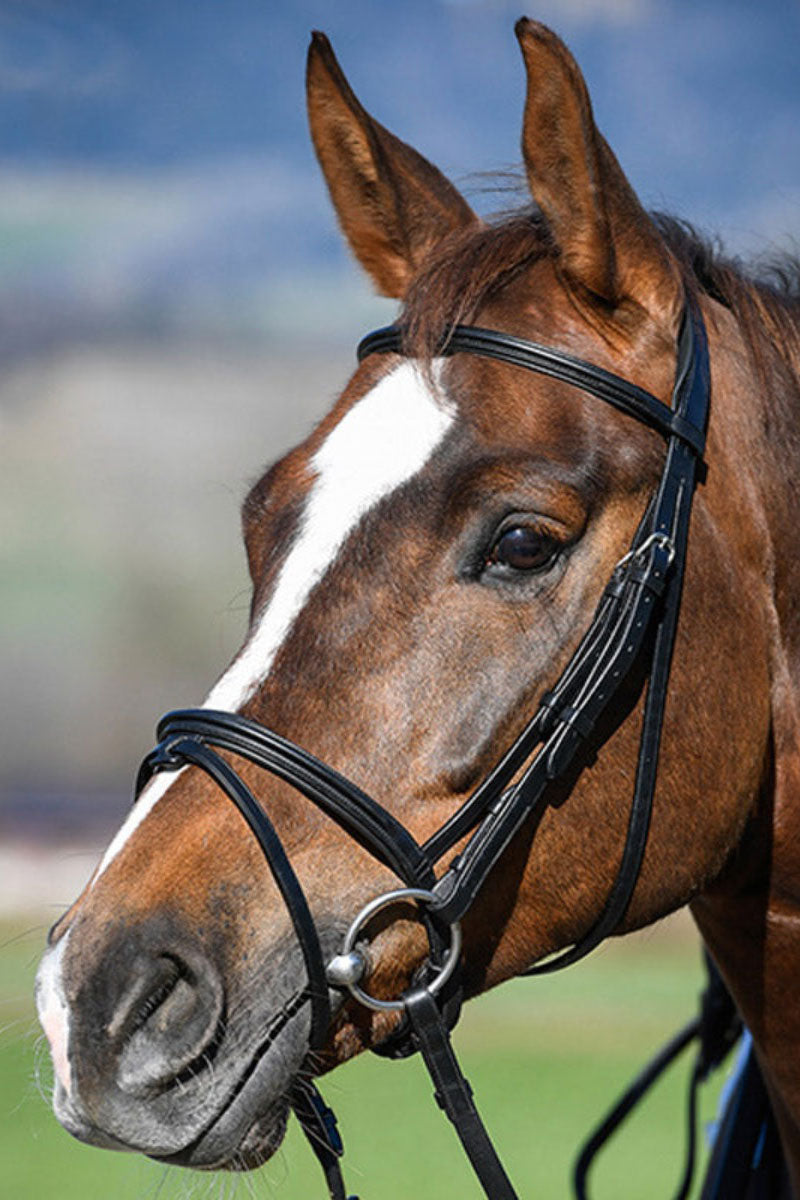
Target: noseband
x,y
637,615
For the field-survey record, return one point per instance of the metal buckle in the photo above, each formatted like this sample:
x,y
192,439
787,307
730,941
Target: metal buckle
x,y
346,969
655,539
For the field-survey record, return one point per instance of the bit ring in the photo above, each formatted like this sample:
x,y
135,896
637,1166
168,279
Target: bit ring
x,y
422,896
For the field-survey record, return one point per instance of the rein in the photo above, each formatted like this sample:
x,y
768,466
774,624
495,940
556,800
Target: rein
x,y
638,611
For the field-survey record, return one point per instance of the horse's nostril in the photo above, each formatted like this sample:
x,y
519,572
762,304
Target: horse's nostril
x,y
151,985
164,1022
159,999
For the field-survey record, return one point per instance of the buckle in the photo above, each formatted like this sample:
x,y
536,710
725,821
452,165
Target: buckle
x,y
655,539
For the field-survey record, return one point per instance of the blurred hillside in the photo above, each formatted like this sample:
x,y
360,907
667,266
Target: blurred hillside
x,y
176,306
125,588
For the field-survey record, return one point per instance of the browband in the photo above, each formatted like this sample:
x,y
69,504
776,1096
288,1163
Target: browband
x,y
558,364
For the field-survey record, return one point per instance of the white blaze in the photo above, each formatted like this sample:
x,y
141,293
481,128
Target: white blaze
x,y
380,443
53,1011
144,805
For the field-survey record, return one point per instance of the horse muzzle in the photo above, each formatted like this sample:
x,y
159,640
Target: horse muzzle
x,y
152,1052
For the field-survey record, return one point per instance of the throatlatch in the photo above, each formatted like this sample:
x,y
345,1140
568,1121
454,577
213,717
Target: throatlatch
x,y
637,615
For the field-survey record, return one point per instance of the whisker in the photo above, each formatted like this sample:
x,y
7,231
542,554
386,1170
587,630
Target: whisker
x,y
22,935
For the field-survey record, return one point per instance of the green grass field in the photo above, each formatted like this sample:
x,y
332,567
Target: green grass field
x,y
545,1058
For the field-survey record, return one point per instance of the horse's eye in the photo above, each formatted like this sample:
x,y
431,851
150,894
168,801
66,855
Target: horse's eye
x,y
522,548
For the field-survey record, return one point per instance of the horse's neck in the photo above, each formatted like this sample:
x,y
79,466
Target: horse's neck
x,y
777,400
750,917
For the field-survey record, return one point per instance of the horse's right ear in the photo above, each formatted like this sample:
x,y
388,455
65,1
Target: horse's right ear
x,y
392,204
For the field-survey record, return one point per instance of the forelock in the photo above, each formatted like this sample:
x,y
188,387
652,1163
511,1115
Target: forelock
x,y
467,268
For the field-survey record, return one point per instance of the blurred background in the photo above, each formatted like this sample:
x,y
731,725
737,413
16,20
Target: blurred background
x,y
176,308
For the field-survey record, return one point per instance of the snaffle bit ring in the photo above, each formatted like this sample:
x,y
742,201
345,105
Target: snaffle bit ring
x,y
347,968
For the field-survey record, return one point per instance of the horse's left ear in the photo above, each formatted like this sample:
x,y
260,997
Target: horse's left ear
x,y
606,242
392,204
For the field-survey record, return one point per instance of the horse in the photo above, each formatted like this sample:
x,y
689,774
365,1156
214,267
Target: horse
x,y
428,566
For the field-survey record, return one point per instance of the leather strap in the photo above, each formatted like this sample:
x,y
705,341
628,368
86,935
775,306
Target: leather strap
x,y
558,364
453,1093
603,673
598,669
368,822
318,1123
180,751
716,1029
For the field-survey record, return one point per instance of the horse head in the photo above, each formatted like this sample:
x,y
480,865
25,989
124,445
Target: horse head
x,y
424,565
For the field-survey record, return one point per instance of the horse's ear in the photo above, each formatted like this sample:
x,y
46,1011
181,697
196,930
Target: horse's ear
x,y
392,204
607,244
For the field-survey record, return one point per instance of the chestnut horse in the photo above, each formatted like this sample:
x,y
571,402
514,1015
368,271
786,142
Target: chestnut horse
x,y
424,566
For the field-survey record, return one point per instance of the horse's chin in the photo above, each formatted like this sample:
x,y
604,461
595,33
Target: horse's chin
x,y
216,1150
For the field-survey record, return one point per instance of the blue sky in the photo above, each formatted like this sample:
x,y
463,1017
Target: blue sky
x,y
157,171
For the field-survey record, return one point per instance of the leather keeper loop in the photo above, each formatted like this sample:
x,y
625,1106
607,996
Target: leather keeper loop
x,y
548,707
651,573
577,720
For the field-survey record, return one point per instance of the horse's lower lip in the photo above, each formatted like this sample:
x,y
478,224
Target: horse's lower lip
x,y
234,1140
260,1141
241,1134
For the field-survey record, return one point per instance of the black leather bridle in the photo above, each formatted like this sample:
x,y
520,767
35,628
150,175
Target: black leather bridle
x,y
637,615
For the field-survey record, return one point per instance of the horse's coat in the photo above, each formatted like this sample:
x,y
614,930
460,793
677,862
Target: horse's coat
x,y
379,444
387,638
